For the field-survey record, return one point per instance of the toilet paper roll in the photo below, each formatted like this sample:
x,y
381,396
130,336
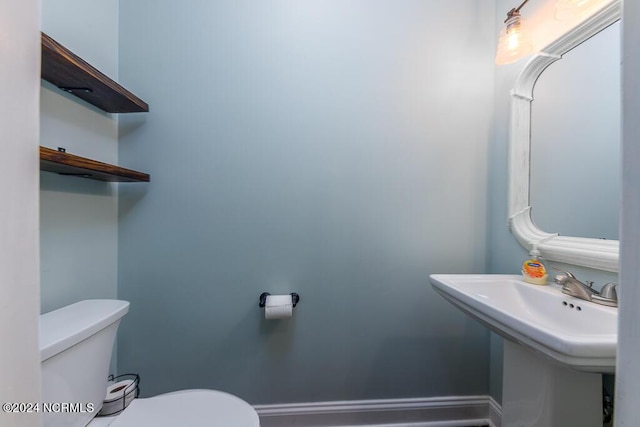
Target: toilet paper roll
x,y
119,396
278,307
119,389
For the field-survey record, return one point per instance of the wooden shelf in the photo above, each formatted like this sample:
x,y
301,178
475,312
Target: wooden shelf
x,y
69,164
72,74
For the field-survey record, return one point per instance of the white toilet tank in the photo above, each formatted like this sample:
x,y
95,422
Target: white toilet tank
x,y
76,342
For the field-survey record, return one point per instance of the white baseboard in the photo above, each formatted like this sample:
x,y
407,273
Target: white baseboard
x,y
495,413
458,411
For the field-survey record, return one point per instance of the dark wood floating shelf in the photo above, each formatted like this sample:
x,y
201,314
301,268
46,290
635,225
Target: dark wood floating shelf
x,y
72,74
69,164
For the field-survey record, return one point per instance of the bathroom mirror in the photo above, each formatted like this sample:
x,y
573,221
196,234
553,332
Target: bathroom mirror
x,y
576,140
587,247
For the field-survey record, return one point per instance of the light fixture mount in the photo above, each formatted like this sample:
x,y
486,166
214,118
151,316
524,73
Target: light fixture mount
x,y
515,11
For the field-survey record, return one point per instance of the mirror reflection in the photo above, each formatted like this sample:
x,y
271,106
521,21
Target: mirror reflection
x,y
575,180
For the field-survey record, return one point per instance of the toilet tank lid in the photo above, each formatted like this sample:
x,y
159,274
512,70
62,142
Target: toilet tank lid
x,y
67,326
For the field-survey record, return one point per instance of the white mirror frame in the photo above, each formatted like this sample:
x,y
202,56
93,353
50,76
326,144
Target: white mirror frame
x,y
594,253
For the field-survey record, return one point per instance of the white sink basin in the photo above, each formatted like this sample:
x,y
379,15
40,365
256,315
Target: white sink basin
x,y
578,333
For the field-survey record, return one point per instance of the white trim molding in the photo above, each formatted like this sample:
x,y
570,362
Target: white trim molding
x,y
594,253
455,411
495,413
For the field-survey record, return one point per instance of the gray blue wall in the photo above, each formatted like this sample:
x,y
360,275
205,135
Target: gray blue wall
x,y
337,149
79,217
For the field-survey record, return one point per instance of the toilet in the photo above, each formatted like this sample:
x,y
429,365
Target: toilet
x,y
75,349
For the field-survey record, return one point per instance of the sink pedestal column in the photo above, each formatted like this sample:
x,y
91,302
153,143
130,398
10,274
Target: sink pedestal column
x,y
539,392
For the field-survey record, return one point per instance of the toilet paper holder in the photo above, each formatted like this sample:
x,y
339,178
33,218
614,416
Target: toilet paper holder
x,y
295,298
127,388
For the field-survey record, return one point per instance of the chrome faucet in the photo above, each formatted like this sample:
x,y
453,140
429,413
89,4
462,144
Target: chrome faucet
x,y
575,288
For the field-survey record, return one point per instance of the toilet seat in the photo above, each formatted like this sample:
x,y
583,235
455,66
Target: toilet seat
x,y
193,408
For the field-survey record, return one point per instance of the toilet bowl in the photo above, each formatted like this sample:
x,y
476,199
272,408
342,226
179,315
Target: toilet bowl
x,y
75,347
193,408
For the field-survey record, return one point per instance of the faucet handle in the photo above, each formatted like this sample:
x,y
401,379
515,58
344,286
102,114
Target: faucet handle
x,y
567,273
560,278
609,291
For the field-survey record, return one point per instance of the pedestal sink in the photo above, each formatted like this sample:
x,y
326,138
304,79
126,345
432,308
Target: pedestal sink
x,y
555,350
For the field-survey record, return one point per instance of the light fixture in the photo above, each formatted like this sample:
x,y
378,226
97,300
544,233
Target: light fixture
x,y
573,9
514,42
